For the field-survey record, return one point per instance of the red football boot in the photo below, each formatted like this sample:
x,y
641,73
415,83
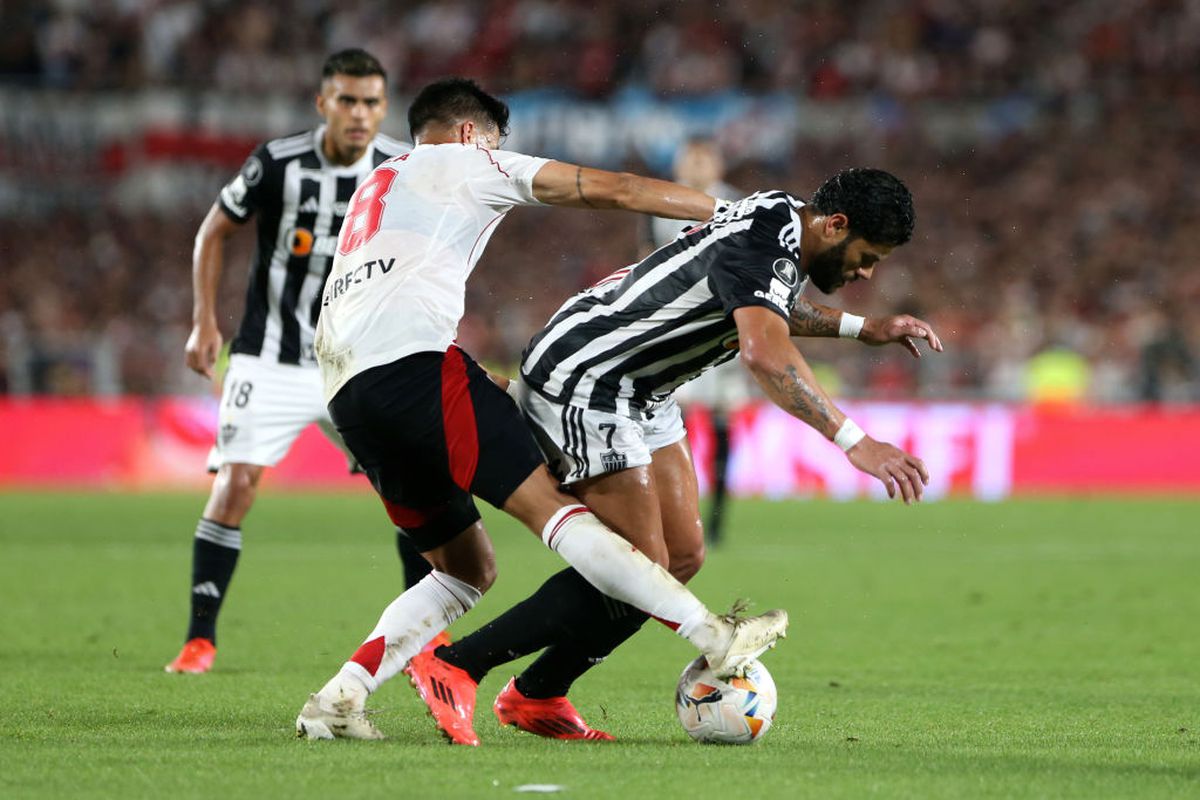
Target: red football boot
x,y
449,693
553,717
442,638
196,657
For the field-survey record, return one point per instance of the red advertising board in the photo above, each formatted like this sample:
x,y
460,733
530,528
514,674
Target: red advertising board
x,y
988,451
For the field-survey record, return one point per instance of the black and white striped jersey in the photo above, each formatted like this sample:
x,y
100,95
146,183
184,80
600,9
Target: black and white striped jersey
x,y
299,199
633,338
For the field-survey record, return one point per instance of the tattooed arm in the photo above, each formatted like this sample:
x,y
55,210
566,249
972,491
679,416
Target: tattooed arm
x,y
768,352
813,319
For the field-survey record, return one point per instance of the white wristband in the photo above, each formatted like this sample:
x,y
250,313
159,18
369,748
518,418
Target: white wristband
x,y
850,325
848,435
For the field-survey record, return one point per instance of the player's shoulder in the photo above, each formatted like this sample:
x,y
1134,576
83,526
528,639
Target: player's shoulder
x,y
769,203
390,148
289,147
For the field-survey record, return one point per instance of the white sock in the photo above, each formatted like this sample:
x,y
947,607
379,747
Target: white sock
x,y
406,625
617,568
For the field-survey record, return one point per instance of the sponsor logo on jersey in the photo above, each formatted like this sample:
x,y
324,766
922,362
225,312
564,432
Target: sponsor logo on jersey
x,y
360,274
778,293
302,242
786,271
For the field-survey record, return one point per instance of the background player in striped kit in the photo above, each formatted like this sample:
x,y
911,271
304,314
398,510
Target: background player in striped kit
x,y
298,188
596,385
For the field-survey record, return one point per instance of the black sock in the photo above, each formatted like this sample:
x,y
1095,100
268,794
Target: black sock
x,y
720,477
550,615
552,674
215,553
415,565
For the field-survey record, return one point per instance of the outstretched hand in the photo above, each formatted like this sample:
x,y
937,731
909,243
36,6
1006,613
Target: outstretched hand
x,y
892,466
900,328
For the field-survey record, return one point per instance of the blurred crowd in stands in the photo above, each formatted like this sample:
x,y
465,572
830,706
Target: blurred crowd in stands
x,y
1055,265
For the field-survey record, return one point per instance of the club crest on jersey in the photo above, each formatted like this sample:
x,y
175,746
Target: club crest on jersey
x,y
786,271
227,433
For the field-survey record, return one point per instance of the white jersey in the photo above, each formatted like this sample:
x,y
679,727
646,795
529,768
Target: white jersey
x,y
413,233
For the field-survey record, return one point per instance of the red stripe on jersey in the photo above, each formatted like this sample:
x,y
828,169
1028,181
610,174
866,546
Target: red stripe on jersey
x,y
458,419
405,517
672,625
577,510
370,655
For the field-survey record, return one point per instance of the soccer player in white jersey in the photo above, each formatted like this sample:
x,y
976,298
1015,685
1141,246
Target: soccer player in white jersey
x,y
597,386
297,188
431,429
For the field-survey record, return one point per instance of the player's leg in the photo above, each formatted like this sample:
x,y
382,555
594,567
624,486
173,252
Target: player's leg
x,y
608,562
716,514
415,435
415,565
535,700
463,569
263,409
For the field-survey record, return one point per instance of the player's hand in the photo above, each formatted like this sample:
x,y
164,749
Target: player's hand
x,y
203,345
900,328
894,468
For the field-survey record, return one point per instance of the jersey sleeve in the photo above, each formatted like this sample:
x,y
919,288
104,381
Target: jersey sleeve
x,y
502,179
754,269
246,194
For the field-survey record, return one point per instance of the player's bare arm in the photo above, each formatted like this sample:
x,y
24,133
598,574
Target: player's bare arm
x,y
788,381
813,319
562,184
208,259
816,320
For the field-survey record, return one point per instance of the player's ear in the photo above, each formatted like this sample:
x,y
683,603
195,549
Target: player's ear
x,y
837,225
466,132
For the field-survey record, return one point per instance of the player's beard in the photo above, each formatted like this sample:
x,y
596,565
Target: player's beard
x,y
828,270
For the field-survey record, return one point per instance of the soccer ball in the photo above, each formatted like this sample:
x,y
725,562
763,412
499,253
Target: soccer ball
x,y
738,710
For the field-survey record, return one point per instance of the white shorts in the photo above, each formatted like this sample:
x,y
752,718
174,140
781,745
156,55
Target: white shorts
x,y
582,443
264,407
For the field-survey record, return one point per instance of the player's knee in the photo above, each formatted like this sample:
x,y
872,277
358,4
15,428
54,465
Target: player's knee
x,y
480,573
233,493
685,564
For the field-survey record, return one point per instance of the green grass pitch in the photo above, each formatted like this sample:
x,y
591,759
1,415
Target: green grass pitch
x,y
1023,649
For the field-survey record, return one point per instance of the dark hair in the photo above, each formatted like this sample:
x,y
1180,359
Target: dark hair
x,y
878,205
453,99
354,62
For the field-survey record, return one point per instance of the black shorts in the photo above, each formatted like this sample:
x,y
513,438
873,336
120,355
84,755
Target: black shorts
x,y
431,430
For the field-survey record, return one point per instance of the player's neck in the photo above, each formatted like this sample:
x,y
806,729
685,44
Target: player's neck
x,y
342,158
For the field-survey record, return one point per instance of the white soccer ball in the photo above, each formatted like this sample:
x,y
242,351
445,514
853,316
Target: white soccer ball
x,y
736,710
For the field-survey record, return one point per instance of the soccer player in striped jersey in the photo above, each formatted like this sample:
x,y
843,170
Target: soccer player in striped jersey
x,y
430,428
597,387
298,188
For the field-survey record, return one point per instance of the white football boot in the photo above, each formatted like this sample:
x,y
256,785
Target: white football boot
x,y
341,718
746,638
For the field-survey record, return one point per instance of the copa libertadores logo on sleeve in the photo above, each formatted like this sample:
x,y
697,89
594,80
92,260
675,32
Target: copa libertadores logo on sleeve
x,y
786,271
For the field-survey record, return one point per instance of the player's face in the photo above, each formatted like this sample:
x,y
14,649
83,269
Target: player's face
x,y
852,259
353,108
